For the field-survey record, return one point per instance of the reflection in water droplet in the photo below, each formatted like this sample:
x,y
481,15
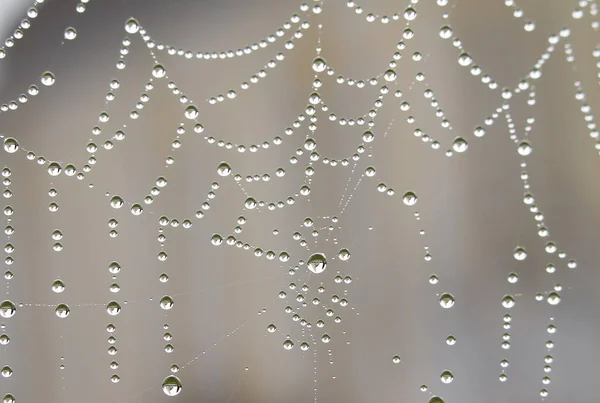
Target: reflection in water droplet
x,y
447,301
11,145
171,386
62,311
7,309
317,263
409,198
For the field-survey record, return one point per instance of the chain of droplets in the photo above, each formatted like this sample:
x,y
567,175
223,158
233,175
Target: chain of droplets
x,y
409,13
25,24
247,50
7,307
585,107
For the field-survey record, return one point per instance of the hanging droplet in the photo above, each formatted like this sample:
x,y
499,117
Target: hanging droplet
x,y
10,145
171,386
460,145
132,26
447,377
159,71
520,253
409,198
344,254
116,202
7,309
54,169
524,148
317,263
224,169
70,33
191,112
113,308
62,311
447,301
48,78
166,302
319,65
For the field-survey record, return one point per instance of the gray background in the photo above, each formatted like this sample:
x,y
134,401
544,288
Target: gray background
x,y
471,208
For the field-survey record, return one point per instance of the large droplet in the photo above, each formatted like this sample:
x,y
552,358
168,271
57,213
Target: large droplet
x,y
116,202
48,78
317,263
11,145
70,33
553,298
62,311
460,145
166,302
113,308
447,301
409,198
447,377
520,253
524,148
288,344
54,169
191,112
159,71
319,65
7,309
224,169
436,399
508,302
171,385
132,26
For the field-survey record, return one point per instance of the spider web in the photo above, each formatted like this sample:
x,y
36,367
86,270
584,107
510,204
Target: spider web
x,y
298,232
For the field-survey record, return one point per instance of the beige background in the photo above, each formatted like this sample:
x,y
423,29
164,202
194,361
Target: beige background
x,y
470,206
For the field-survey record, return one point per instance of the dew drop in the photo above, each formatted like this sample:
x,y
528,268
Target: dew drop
x,y
171,386
224,169
159,71
7,309
288,344
132,26
344,254
524,148
553,298
116,202
317,263
447,301
70,33
113,308
396,359
446,377
460,145
319,65
62,311
48,78
166,302
520,253
508,302
54,169
409,198
191,112
11,145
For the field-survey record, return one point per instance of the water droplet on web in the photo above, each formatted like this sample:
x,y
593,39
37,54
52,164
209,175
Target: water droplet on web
x,y
436,399
508,302
171,385
62,311
271,328
409,198
447,301
396,359
70,33
11,145
445,32
54,169
6,372
224,169
7,309
116,202
288,344
319,65
344,254
317,263
450,340
191,112
520,253
158,71
460,145
132,26
166,302
553,298
524,148
48,78
113,308
446,377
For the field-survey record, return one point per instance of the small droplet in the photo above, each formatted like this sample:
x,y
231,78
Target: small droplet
x,y
396,359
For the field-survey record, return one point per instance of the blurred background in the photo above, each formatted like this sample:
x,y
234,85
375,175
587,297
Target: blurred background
x,y
470,205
